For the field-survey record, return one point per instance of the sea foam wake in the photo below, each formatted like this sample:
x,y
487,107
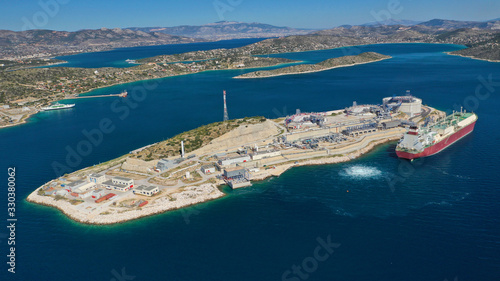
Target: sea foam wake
x,y
360,172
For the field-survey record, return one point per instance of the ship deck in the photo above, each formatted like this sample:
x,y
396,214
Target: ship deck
x,y
451,119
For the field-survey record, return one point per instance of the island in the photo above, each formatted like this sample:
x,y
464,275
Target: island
x,y
191,167
343,61
23,92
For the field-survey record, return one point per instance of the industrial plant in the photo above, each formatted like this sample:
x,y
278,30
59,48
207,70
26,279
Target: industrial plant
x,y
242,155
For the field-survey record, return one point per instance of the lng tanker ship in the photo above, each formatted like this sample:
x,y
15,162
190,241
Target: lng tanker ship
x,y
428,141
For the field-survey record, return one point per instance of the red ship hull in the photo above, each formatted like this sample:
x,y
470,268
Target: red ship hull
x,y
431,150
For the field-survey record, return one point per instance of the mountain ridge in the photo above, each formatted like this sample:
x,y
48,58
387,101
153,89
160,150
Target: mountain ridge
x,y
43,42
38,43
227,30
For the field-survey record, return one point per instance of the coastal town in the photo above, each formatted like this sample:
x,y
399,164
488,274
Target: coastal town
x,y
158,177
25,92
27,85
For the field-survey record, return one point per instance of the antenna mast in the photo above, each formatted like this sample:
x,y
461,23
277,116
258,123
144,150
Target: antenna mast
x,y
226,116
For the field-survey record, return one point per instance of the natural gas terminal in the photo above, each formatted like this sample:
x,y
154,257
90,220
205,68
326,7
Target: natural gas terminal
x,y
130,186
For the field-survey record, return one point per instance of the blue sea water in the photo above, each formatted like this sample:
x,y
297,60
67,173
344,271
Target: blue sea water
x,y
117,57
436,218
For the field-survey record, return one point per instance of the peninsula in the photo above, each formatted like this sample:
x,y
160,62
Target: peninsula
x,y
24,91
188,168
321,66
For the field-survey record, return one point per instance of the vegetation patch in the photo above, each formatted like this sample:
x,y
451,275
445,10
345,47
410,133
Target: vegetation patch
x,y
195,138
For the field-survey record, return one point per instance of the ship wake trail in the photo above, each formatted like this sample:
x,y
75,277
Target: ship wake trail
x,y
360,172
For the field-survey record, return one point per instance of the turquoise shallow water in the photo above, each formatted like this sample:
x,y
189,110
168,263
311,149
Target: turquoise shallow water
x,y
431,219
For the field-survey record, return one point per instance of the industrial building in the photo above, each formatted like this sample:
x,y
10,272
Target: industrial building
x,y
359,110
74,184
98,193
80,186
164,165
226,161
408,104
97,178
257,155
62,192
146,190
363,128
50,192
237,177
123,181
300,125
86,194
390,124
208,169
110,184
236,173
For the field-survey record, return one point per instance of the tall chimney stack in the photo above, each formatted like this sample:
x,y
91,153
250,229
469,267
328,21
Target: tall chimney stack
x,y
182,149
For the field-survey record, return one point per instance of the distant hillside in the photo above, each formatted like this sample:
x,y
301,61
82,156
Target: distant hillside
x,y
487,50
50,42
321,66
43,43
453,24
226,30
480,38
393,22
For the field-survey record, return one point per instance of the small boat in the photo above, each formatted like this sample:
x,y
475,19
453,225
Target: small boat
x,y
123,94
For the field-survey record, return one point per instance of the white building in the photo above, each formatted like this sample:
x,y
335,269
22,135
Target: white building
x,y
265,154
62,192
236,173
123,181
409,105
110,184
85,194
97,178
80,186
146,190
164,164
208,169
74,184
98,193
234,160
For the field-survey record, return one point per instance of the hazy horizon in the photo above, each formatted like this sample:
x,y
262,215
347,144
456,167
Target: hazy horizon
x,y
66,15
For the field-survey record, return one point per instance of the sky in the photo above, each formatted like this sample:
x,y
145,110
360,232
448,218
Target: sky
x,y
71,15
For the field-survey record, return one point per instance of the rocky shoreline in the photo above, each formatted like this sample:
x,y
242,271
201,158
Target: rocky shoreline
x,y
345,61
471,57
186,199
325,160
190,196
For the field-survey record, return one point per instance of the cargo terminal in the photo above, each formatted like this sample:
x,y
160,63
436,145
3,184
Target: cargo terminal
x,y
292,139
